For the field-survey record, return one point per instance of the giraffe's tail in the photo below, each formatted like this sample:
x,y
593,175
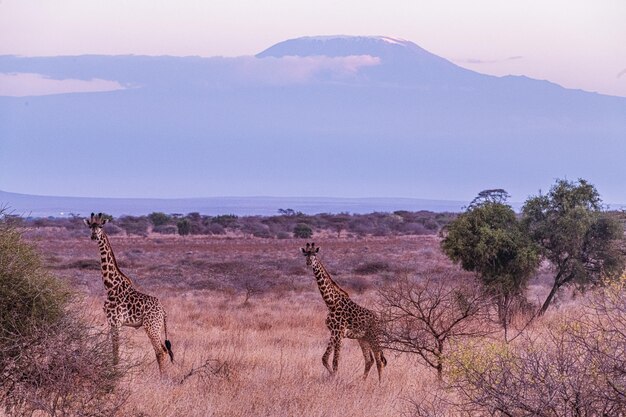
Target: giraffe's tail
x,y
168,344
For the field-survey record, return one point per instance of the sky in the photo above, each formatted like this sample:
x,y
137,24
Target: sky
x,y
575,43
578,44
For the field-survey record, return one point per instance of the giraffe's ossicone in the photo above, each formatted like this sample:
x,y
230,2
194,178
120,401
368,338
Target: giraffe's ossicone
x,y
125,306
346,319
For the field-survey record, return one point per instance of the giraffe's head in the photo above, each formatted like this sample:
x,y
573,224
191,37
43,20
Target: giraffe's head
x,y
95,223
310,251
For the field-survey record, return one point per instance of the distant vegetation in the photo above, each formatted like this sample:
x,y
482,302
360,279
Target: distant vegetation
x,y
286,224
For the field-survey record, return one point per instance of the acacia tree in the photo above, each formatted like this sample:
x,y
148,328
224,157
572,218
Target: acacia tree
x,y
488,239
574,233
423,317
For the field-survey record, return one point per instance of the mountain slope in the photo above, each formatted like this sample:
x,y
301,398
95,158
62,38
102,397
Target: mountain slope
x,y
334,116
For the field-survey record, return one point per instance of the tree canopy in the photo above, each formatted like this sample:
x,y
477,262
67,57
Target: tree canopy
x,y
575,234
488,239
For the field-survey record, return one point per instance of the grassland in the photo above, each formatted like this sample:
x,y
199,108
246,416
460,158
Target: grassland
x,y
247,322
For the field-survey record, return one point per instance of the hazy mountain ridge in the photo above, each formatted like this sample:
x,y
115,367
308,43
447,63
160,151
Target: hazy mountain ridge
x,y
45,206
292,122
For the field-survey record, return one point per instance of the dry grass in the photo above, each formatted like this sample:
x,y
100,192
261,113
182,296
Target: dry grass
x,y
264,358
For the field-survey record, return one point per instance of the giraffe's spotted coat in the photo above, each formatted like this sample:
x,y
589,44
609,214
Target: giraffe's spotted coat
x,y
346,319
125,306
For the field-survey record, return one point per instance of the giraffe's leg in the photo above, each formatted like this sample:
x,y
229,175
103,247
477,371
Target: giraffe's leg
x,y
381,362
153,331
115,343
367,354
326,355
337,351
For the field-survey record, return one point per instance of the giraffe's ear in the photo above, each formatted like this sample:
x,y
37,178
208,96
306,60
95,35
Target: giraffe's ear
x,y
104,220
87,222
303,251
317,250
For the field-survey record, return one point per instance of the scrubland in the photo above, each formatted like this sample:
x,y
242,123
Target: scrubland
x,y
247,324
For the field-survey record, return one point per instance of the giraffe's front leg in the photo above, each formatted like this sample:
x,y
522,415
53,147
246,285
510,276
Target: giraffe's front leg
x,y
115,342
114,322
326,355
337,349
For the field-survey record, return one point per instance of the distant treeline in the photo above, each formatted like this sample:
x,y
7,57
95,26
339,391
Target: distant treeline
x,y
287,223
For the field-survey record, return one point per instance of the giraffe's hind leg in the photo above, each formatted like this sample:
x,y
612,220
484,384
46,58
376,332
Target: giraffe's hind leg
x,y
153,330
367,354
381,362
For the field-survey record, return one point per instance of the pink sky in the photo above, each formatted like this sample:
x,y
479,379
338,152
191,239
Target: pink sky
x,y
575,43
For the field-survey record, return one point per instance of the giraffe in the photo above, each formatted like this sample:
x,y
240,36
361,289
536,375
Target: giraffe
x,y
125,306
346,319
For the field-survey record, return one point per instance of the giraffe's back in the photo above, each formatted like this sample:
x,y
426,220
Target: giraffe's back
x,y
354,321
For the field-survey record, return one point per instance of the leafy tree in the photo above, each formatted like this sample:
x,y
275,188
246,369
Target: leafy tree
x,y
489,240
184,227
158,218
303,231
575,235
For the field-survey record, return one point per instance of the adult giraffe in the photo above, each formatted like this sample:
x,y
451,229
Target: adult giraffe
x,y
125,306
346,319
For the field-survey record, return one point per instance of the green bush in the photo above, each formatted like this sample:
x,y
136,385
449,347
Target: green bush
x,y
159,219
52,362
29,297
184,227
303,231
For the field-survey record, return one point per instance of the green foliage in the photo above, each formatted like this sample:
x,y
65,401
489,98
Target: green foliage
x,y
183,226
302,230
29,297
159,218
52,362
489,240
575,235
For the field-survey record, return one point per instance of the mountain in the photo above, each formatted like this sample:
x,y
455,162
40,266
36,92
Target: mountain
x,y
401,61
51,206
332,116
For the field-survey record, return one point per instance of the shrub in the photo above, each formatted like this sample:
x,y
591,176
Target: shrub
x,y
159,219
184,227
216,229
424,318
52,362
370,268
166,229
302,230
134,225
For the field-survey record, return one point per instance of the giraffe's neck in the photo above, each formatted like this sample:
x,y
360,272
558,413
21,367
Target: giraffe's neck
x,y
331,292
114,280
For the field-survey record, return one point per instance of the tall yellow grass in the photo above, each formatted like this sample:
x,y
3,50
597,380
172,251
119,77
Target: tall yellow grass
x,y
264,360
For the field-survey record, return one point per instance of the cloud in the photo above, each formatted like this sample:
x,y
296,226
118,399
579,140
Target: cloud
x,y
297,69
491,61
23,84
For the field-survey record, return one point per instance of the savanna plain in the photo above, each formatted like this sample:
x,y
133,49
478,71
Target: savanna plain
x,y
247,322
